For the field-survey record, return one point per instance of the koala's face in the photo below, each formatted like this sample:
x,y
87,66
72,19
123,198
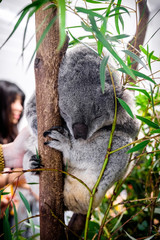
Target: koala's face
x,y
86,111
83,106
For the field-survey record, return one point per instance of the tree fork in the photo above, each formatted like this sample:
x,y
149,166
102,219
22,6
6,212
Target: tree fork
x,y
46,72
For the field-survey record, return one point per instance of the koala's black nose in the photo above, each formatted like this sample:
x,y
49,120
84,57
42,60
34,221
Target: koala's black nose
x,y
80,130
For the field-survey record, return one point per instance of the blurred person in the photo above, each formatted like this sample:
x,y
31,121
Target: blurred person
x,y
11,156
11,111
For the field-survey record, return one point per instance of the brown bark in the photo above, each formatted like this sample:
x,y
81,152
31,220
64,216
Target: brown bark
x,y
139,37
51,183
76,224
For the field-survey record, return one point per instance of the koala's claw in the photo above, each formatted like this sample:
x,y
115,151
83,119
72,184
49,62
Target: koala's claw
x,y
36,163
60,129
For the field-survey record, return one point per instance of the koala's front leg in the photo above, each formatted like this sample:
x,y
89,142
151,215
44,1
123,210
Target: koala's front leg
x,y
35,161
60,141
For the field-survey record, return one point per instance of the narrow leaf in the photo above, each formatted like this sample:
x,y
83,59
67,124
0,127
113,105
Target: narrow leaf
x,y
148,122
140,90
90,12
138,146
132,238
152,99
146,53
86,28
7,229
103,71
25,202
117,16
126,107
16,220
149,238
138,74
135,57
62,21
23,14
106,44
155,131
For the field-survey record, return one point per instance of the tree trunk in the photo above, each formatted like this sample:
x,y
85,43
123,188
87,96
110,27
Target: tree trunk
x,y
141,30
46,72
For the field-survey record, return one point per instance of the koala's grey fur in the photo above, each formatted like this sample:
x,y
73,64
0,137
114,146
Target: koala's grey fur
x,y
88,115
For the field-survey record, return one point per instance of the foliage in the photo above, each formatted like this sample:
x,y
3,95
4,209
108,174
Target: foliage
x,y
132,210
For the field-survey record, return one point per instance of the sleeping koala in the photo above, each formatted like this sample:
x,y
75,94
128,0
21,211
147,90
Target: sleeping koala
x,y
88,116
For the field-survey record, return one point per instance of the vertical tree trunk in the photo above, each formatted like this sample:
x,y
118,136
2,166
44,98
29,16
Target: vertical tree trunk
x,y
46,72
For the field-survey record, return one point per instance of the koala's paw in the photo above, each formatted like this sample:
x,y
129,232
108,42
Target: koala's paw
x,y
36,163
60,138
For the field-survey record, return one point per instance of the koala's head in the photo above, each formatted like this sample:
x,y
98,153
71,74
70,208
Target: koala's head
x,y
83,106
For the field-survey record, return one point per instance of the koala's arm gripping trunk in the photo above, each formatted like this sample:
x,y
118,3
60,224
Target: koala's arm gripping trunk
x,y
141,29
46,72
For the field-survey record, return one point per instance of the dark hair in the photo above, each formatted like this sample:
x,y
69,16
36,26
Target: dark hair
x,y
8,94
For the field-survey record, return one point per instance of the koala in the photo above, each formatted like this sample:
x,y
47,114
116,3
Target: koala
x,y
83,138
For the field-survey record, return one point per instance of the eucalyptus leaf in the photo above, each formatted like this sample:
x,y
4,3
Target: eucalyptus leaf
x,y
106,44
135,57
155,131
146,53
103,71
148,122
62,22
16,220
142,90
7,229
90,12
92,1
126,107
132,238
117,16
138,74
152,99
138,147
25,201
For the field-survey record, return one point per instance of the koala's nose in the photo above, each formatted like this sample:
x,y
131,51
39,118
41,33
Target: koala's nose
x,y
80,130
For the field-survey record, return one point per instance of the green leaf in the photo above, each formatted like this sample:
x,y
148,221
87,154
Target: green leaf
x,y
152,99
103,28
138,74
126,107
149,238
25,202
103,71
62,22
155,131
7,229
117,16
142,90
106,44
92,1
16,220
135,57
132,238
148,122
89,12
146,53
86,28
138,146
23,13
